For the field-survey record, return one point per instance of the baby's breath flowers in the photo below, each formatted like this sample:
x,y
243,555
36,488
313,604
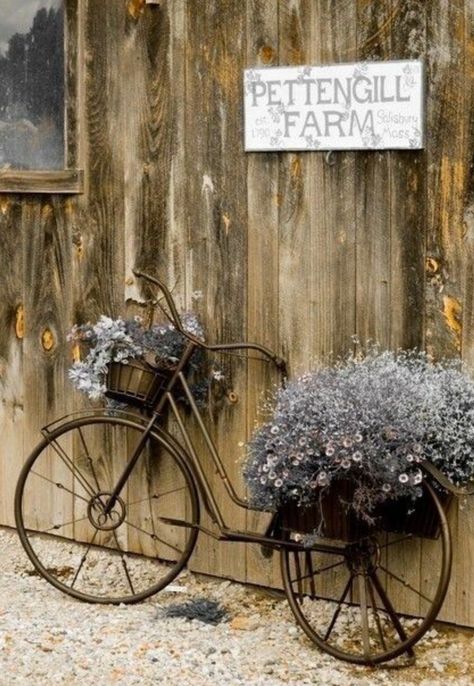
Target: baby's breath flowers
x,y
121,340
371,420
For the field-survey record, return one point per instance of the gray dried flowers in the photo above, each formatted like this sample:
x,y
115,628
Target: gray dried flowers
x,y
371,420
121,340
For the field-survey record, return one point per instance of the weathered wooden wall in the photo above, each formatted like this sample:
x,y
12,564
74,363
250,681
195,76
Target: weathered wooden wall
x,y
286,250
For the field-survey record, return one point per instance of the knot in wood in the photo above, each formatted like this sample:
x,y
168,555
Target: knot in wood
x,y
267,54
135,8
432,265
20,322
47,340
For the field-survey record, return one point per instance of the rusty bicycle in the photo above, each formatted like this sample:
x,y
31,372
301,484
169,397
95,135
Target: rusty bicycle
x,y
107,508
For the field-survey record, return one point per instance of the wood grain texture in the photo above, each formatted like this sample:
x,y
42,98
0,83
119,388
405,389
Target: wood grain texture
x,y
333,206
263,265
47,257
285,249
408,200
97,219
217,232
12,331
445,178
372,184
405,193
465,581
74,81
63,182
295,273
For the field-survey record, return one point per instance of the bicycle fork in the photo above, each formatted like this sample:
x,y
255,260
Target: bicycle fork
x,y
141,444
129,467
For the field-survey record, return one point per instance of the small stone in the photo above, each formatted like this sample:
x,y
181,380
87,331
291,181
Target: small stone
x,y
243,623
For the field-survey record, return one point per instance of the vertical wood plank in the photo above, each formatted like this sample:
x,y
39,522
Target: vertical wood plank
x,y
99,272
333,221
148,121
12,330
98,220
48,307
372,181
333,204
405,192
295,267
464,613
262,241
217,229
446,175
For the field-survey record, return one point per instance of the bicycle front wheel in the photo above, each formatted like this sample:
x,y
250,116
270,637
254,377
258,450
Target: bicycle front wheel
x,y
123,556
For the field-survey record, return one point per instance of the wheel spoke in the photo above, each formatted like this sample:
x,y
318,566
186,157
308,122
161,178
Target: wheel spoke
x,y
370,621
153,536
157,496
61,526
124,563
406,584
310,573
364,615
72,471
321,570
376,614
72,467
59,485
298,576
398,540
333,621
84,557
89,458
390,609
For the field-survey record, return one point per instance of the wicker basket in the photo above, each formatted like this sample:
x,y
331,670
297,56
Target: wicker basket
x,y
136,383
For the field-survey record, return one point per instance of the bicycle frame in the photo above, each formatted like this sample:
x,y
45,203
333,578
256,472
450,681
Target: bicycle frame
x,y
210,504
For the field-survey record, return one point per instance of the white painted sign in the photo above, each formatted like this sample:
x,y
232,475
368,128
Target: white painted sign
x,y
365,105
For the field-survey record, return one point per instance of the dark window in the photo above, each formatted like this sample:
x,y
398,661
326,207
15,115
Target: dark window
x,y
32,85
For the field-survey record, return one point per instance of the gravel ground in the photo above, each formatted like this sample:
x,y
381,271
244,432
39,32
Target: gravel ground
x,y
47,638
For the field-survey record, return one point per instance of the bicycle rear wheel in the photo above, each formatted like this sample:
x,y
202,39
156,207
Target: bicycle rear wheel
x,y
370,600
121,557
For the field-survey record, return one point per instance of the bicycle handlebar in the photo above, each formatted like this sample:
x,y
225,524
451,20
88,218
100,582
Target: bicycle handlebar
x,y
176,320
174,317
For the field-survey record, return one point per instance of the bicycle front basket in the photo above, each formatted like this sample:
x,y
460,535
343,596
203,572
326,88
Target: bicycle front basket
x,y
136,382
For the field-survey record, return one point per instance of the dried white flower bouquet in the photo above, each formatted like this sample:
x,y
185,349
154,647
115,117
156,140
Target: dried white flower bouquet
x,y
371,420
118,340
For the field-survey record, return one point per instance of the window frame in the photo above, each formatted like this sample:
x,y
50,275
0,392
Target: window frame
x,y
69,180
